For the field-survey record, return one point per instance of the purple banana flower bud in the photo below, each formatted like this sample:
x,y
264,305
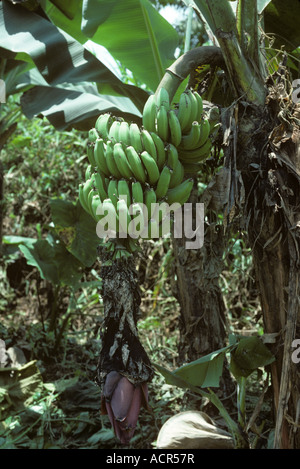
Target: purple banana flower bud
x,y
122,401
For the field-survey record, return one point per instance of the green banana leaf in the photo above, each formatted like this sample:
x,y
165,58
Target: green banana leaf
x,y
282,19
26,36
53,262
132,31
71,105
251,353
204,372
77,230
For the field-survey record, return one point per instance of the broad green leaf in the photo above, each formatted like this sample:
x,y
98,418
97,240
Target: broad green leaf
x,y
27,36
53,262
261,5
131,30
68,267
67,107
204,372
41,256
170,377
77,229
66,15
250,354
134,33
281,19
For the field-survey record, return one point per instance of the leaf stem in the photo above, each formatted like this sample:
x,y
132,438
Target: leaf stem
x,y
241,399
186,63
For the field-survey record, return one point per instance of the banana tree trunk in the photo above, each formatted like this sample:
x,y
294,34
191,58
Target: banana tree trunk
x,y
261,147
202,315
202,307
268,156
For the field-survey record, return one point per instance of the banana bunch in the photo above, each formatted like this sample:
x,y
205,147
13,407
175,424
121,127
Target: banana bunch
x,y
198,131
187,127
131,167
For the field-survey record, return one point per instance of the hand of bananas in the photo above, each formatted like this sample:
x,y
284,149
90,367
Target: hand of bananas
x,y
132,167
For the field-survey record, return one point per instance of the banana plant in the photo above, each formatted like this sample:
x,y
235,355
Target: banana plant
x,y
240,55
244,49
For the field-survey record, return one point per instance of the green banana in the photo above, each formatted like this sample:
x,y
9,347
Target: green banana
x,y
194,105
150,198
103,124
180,193
204,132
112,191
191,140
88,172
137,224
151,167
136,164
162,98
113,133
89,200
172,155
100,185
124,191
87,187
137,192
93,135
162,123
184,112
174,127
148,143
122,162
90,153
199,106
100,156
135,137
110,161
109,216
124,216
149,114
124,134
96,201
196,155
160,150
177,175
163,182
82,198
